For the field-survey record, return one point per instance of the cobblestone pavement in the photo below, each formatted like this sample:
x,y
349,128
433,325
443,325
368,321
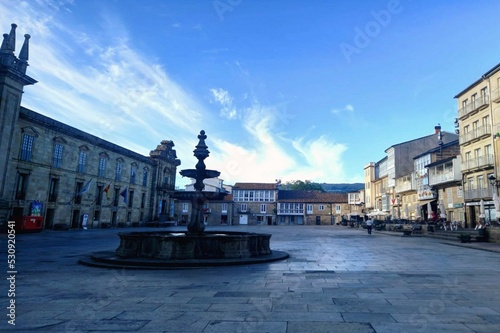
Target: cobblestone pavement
x,y
337,279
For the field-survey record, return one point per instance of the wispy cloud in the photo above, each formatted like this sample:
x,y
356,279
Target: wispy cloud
x,y
347,108
110,89
225,100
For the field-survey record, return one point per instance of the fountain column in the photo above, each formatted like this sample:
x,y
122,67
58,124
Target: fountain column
x,y
196,224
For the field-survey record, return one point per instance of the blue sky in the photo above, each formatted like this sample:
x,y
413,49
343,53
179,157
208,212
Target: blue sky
x,y
291,90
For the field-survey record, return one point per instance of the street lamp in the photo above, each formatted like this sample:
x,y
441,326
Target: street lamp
x,y
398,197
493,181
440,135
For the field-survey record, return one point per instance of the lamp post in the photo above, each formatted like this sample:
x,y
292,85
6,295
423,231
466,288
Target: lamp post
x,y
440,136
398,197
492,180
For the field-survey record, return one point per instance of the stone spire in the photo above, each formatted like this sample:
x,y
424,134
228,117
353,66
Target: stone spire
x,y
24,55
12,37
9,61
7,57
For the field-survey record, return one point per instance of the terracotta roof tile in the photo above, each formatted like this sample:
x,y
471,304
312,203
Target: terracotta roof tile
x,y
255,186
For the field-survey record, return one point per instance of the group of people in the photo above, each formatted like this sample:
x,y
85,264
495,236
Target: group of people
x,y
448,225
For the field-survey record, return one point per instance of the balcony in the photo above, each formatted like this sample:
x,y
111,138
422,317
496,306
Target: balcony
x,y
464,111
404,187
478,104
495,95
446,174
478,193
475,135
290,212
481,162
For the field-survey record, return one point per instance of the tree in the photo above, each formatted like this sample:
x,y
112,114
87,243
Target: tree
x,y
303,186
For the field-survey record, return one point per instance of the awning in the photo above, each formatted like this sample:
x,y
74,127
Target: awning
x,y
425,202
377,213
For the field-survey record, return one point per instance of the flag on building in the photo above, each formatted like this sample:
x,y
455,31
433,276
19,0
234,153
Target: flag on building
x,y
85,188
124,194
106,190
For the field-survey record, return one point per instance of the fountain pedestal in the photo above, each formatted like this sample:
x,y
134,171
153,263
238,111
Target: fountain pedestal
x,y
196,247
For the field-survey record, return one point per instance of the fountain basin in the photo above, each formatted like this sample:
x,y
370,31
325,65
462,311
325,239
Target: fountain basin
x,y
181,245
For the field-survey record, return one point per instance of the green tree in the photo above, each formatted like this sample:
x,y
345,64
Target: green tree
x,y
303,186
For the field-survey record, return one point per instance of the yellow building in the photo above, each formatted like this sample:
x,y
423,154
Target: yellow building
x,y
478,123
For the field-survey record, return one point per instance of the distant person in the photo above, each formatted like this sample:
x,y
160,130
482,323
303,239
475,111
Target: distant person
x,y
369,225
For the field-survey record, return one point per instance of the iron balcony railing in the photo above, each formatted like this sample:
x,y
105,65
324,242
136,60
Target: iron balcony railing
x,y
476,105
476,134
495,95
478,193
485,161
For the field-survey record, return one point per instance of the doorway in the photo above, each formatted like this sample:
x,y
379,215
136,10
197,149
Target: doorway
x,y
49,218
75,221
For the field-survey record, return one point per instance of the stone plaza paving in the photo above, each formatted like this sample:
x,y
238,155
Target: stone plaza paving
x,y
337,279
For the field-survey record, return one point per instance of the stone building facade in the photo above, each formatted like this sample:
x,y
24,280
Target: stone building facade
x,y
255,203
69,178
311,207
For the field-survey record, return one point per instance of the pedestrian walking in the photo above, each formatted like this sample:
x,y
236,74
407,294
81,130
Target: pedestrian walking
x,y
369,225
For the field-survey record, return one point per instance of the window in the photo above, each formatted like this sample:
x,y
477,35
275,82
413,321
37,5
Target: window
x,y
224,207
321,207
57,156
143,200
166,177
53,187
338,209
115,199
477,152
145,177
82,160
27,147
78,196
309,209
102,166
98,200
484,93
243,207
468,156
185,207
486,121
118,173
22,185
133,171
130,198
263,208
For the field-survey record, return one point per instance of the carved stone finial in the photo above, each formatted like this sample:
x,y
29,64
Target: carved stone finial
x,y
11,46
24,54
5,42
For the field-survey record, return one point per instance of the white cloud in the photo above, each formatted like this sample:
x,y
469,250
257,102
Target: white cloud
x,y
113,91
109,90
322,159
347,108
222,97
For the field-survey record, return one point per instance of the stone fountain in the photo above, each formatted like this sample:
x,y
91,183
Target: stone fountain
x,y
195,247
198,198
